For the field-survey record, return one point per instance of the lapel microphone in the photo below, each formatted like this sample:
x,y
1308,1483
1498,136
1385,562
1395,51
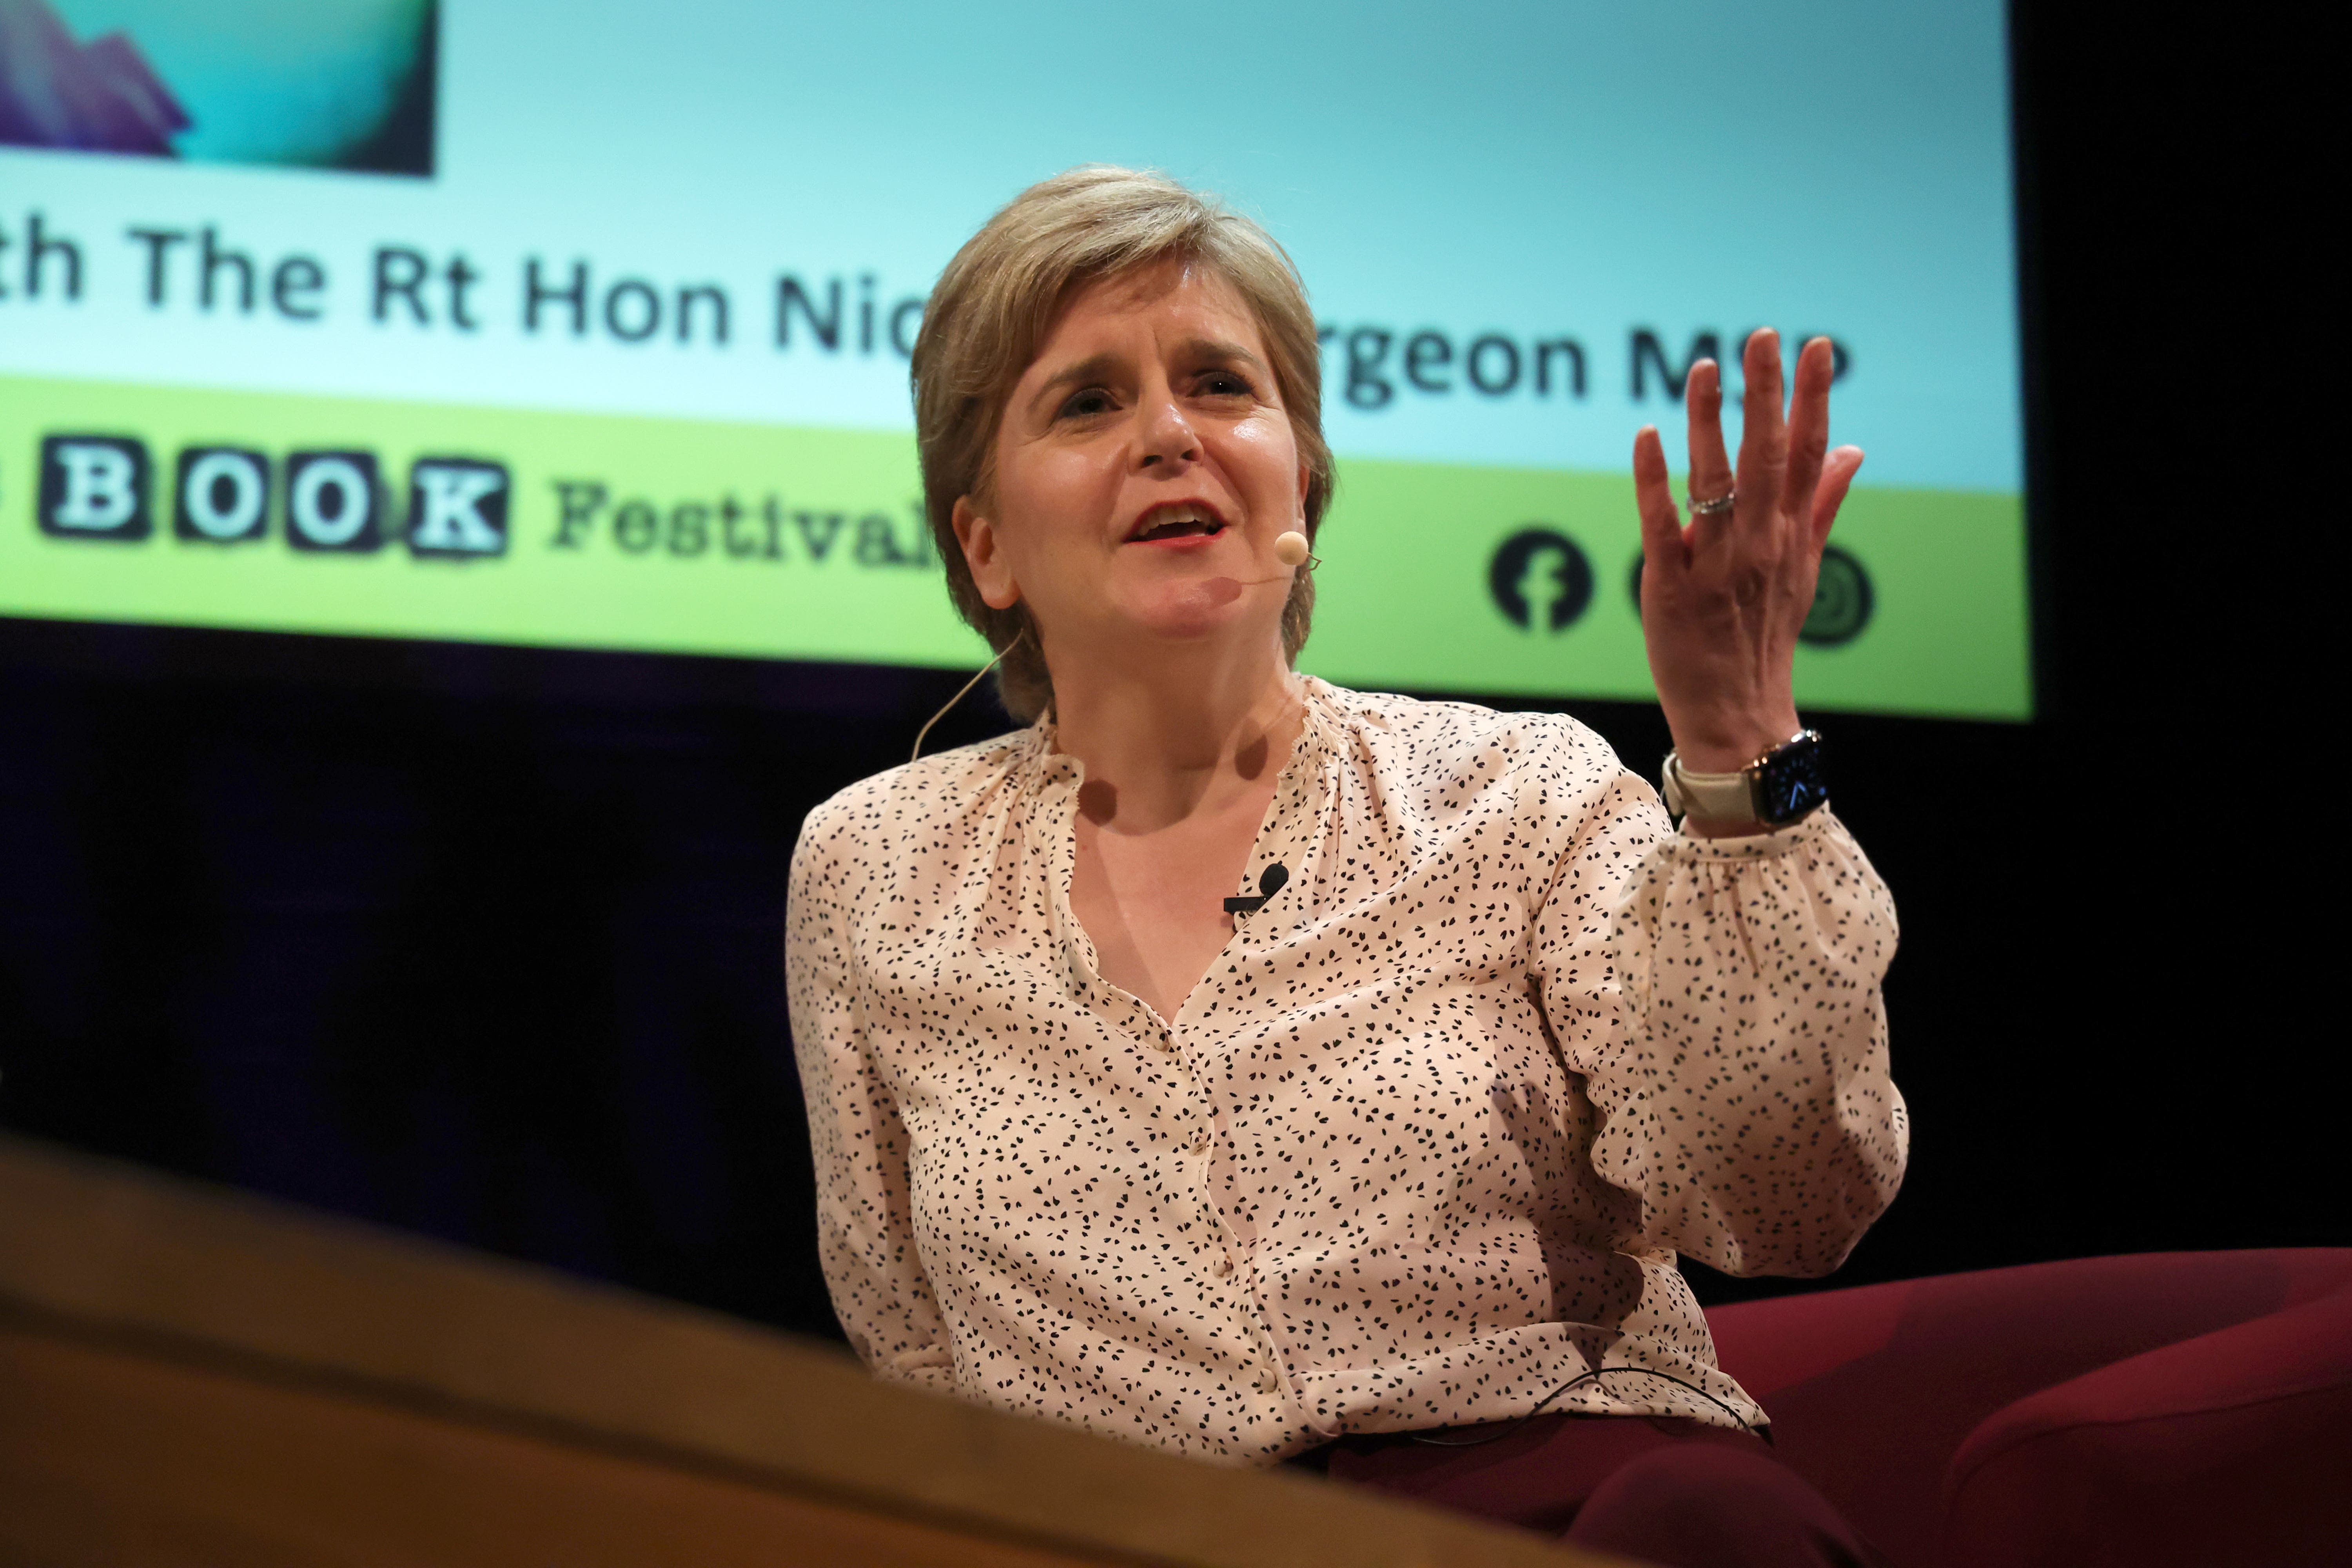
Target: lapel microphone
x,y
1291,549
1270,881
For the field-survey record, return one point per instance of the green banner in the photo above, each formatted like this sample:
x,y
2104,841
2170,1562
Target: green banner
x,y
187,507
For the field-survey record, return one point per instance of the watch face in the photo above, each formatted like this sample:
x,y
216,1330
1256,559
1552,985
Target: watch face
x,y
1792,782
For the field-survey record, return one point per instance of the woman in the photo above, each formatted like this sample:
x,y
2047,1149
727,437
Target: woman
x,y
1262,1070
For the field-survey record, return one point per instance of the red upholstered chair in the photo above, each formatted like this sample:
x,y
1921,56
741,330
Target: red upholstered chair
x,y
2164,1408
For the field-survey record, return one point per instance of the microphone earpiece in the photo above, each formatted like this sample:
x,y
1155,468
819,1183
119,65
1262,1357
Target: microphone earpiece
x,y
1291,549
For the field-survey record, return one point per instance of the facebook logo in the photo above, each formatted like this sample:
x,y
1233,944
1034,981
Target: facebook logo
x,y
93,487
457,506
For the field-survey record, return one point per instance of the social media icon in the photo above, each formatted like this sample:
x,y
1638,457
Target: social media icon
x,y
1540,579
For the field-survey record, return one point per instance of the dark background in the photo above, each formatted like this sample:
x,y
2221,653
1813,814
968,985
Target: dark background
x,y
488,943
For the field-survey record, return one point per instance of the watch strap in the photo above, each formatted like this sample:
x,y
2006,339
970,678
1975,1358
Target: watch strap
x,y
1794,781
1714,798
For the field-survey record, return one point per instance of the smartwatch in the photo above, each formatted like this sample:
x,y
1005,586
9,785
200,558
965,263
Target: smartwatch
x,y
1785,785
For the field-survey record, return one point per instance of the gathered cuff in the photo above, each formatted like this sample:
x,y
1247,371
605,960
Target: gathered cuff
x,y
1768,845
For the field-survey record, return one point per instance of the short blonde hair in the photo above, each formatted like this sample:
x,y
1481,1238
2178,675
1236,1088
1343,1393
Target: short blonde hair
x,y
990,313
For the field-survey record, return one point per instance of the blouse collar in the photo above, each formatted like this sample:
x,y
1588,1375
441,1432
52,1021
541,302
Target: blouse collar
x,y
1322,734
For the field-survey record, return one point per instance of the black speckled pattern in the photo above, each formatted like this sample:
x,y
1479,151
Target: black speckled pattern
x,y
1420,1148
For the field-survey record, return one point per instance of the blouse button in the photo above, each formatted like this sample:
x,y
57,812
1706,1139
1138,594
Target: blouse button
x,y
1201,1141
1166,1044
1267,1383
1223,1266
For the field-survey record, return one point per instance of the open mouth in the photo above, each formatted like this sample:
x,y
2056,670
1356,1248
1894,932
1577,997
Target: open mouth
x,y
1183,519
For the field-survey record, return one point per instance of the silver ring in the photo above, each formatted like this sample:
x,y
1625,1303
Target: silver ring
x,y
1721,504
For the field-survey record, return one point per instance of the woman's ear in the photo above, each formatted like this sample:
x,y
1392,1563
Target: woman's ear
x,y
991,572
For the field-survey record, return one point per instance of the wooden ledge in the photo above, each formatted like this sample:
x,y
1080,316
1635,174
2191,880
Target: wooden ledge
x,y
197,1363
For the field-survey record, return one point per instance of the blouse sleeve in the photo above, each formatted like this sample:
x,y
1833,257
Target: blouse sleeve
x,y
1721,998
864,1221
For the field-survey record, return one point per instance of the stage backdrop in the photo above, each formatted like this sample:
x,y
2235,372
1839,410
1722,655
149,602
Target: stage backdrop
x,y
585,325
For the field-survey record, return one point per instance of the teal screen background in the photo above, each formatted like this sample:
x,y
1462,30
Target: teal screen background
x,y
1532,174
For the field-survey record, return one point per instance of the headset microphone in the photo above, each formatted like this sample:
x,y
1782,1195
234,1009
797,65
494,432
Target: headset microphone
x,y
1290,548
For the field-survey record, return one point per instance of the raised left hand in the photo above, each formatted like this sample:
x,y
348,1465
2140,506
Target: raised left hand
x,y
1722,598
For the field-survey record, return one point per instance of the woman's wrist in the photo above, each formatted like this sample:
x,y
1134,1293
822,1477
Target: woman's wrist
x,y
1727,747
1709,812
1773,784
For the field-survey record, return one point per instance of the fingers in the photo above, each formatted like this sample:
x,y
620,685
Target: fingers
x,y
1710,467
1837,475
1763,437
1809,421
1653,493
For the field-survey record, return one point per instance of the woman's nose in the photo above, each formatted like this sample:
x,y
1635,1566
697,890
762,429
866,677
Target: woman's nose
x,y
1167,439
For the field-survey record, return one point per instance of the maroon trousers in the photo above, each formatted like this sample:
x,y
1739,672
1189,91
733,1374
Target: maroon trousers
x,y
2172,1408
1657,1488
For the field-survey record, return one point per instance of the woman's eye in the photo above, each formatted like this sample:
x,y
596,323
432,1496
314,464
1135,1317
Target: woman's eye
x,y
1224,383
1087,403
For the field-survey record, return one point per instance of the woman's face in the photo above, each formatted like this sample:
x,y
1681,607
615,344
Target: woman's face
x,y
1143,468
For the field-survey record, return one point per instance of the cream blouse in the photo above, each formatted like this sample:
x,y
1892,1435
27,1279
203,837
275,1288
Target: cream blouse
x,y
1418,1151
